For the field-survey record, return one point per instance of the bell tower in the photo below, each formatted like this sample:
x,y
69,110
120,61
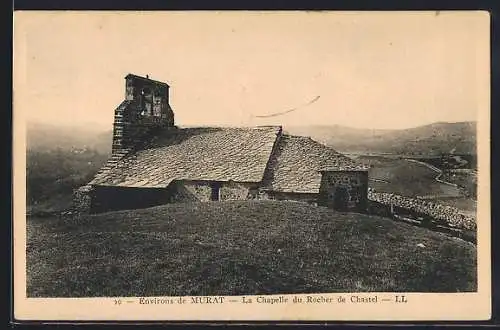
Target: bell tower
x,y
144,111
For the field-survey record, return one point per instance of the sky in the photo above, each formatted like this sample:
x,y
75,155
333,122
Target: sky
x,y
388,70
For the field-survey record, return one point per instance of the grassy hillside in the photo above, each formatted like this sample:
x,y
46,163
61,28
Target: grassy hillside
x,y
60,159
52,175
407,178
240,248
433,139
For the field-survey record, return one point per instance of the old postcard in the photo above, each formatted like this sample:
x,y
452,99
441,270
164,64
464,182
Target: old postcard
x,y
252,166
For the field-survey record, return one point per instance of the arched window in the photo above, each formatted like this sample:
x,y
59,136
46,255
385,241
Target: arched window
x,y
146,101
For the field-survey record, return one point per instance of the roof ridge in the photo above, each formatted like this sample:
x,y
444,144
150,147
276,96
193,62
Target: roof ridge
x,y
301,137
147,79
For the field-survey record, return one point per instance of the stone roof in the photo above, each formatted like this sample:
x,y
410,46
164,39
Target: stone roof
x,y
297,162
215,154
225,154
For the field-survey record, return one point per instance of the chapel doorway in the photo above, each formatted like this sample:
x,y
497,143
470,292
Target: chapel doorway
x,y
341,199
215,193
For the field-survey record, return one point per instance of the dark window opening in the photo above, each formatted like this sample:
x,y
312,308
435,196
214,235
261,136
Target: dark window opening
x,y
215,195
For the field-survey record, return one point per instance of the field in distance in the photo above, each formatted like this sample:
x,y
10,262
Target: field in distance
x,y
421,177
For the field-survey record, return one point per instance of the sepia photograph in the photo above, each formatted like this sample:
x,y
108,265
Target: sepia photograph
x,y
277,157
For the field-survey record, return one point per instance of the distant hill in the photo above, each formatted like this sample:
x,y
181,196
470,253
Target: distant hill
x,y
43,137
433,139
428,140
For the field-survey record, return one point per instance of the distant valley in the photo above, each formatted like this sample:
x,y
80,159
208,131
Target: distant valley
x,y
46,137
428,140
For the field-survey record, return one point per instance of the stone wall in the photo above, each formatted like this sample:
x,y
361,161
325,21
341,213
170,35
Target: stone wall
x,y
309,198
448,215
88,199
104,198
97,199
190,191
187,191
82,199
235,191
353,184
